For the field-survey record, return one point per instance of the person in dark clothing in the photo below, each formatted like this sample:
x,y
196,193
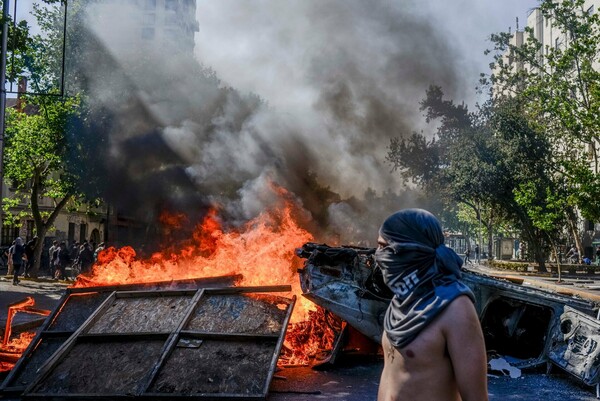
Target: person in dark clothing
x,y
86,258
29,251
17,253
467,254
61,259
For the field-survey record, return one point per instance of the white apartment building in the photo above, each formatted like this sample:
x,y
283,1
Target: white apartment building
x,y
549,36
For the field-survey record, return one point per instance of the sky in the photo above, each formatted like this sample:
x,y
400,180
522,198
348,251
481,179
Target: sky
x,y
346,76
267,47
339,78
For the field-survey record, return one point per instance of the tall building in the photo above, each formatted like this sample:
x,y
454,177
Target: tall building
x,y
551,37
141,24
548,35
169,23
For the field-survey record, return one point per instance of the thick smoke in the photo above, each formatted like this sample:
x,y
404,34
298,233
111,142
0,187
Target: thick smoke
x,y
325,87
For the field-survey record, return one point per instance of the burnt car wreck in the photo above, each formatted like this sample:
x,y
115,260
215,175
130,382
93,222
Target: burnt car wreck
x,y
530,326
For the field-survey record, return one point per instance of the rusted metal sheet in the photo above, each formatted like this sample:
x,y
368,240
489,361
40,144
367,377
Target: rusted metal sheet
x,y
532,325
74,308
217,344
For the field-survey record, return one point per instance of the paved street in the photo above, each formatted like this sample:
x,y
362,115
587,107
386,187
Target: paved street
x,y
353,379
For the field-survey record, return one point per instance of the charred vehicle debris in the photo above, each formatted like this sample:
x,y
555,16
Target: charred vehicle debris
x,y
529,326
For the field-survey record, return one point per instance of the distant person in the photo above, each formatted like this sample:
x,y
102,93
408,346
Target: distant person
x,y
9,261
74,251
573,255
598,255
29,252
53,248
61,259
432,342
86,258
467,253
18,252
98,250
477,257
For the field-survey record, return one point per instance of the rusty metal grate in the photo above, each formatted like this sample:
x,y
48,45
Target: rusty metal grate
x,y
75,307
217,344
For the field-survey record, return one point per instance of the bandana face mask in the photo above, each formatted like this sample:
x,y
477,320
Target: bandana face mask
x,y
400,279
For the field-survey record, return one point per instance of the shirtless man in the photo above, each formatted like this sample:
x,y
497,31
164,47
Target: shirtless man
x,y
433,344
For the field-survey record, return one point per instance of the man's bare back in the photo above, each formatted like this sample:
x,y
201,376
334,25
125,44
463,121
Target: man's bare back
x,y
445,362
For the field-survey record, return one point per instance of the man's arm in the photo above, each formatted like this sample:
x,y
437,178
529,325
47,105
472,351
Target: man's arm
x,y
466,346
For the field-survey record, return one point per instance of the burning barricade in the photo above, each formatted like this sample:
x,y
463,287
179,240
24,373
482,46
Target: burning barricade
x,y
135,327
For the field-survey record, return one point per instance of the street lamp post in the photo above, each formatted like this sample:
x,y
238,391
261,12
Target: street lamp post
x,y
5,8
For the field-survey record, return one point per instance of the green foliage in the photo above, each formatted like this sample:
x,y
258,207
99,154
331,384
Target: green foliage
x,y
24,51
36,147
478,161
559,90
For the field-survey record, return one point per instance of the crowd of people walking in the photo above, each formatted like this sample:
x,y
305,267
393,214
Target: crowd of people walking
x,y
78,258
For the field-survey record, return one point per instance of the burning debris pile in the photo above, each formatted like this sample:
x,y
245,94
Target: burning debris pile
x,y
11,349
112,341
163,314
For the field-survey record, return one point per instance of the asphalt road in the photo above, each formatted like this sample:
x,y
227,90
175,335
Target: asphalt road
x,y
352,379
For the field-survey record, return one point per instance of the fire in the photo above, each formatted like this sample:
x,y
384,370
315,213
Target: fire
x,y
11,349
262,251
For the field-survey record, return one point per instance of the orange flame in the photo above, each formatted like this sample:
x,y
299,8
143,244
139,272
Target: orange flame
x,y
11,349
262,251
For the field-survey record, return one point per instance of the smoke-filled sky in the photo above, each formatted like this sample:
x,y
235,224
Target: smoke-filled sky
x,y
273,48
350,73
339,79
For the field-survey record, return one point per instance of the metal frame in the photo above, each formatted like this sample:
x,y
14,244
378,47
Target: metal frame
x,y
46,333
171,340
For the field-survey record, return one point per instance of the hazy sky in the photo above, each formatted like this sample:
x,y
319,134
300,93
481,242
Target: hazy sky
x,y
265,46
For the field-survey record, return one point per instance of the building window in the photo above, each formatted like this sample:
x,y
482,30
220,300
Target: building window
x,y
171,5
9,233
148,33
82,232
171,34
29,231
171,19
590,10
150,4
71,236
149,19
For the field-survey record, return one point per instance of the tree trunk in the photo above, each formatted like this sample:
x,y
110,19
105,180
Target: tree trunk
x,y
42,226
536,245
37,252
555,250
572,221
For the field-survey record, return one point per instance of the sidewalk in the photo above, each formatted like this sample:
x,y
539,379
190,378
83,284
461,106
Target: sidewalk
x,y
587,287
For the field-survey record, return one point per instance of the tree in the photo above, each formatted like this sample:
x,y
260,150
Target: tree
x,y
35,162
559,85
38,147
477,159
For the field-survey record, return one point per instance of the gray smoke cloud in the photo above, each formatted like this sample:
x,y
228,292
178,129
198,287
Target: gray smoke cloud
x,y
304,93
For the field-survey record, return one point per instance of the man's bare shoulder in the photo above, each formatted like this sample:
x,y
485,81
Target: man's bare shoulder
x,y
461,310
